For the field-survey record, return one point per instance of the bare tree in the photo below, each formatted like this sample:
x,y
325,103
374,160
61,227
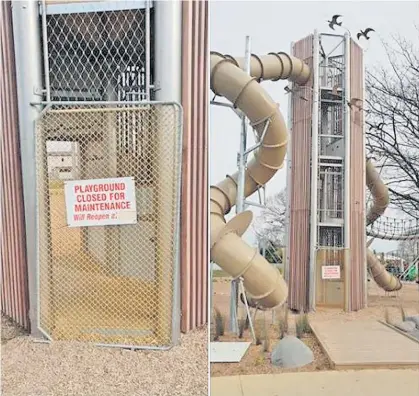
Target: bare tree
x,y
408,249
269,226
392,122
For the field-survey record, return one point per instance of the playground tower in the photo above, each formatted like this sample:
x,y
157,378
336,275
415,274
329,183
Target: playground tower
x,y
97,91
326,177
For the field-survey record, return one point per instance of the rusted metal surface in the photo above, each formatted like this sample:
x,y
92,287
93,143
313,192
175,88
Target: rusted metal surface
x,y
14,287
194,211
299,228
357,189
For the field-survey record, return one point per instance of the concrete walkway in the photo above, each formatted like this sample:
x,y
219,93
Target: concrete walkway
x,y
367,344
324,383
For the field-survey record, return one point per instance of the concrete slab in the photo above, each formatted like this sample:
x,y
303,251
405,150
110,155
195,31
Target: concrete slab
x,y
228,352
223,386
365,344
342,383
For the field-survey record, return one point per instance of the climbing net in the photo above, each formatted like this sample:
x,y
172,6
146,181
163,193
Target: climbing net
x,y
394,229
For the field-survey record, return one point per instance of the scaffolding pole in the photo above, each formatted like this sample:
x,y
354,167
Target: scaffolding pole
x,y
314,173
347,174
240,204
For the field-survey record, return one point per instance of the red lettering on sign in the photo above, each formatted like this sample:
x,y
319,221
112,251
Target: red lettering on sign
x,y
91,207
102,187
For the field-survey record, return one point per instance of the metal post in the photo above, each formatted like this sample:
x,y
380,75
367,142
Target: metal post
x,y
364,227
314,172
347,133
45,51
241,164
167,66
252,329
147,50
286,259
27,44
243,138
168,49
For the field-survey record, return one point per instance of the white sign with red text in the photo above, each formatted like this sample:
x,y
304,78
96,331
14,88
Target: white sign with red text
x,y
100,202
331,272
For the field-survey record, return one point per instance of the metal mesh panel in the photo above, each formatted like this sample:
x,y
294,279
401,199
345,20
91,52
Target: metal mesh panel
x,y
98,55
330,292
109,284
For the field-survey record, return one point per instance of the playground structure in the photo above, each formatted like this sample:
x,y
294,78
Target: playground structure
x,y
104,90
262,281
328,219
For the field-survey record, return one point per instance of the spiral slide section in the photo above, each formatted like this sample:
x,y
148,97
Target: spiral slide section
x,y
264,284
379,192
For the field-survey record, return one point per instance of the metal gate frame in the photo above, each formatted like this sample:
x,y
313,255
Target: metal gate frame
x,y
176,309
101,7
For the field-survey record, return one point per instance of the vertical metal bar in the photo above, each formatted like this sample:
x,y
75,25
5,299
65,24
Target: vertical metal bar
x,y
233,307
347,174
147,49
167,44
45,51
243,138
168,72
364,226
314,172
252,329
289,184
241,163
176,310
26,35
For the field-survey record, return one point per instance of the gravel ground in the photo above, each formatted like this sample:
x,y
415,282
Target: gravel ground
x,y
256,362
68,368
378,302
9,330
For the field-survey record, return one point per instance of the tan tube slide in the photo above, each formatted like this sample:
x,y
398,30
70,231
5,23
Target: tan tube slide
x,y
379,192
262,281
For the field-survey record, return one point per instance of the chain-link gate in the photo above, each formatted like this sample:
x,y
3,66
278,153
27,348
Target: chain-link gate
x,y
98,53
110,284
330,276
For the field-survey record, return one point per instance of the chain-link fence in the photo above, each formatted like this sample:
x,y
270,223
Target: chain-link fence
x,y
110,284
101,56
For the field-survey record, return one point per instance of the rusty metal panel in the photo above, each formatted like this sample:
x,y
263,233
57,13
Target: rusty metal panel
x,y
14,283
299,205
194,212
357,189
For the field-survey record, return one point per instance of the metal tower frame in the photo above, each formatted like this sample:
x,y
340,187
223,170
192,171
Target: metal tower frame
x,y
330,154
